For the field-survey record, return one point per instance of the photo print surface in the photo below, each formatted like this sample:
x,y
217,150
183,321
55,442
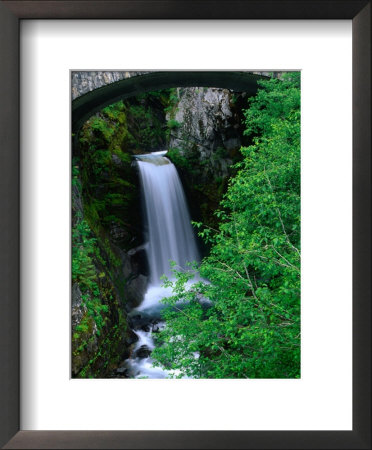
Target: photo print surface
x,y
185,225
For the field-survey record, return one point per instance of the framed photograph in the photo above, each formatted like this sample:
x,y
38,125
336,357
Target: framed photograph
x,y
147,167
243,179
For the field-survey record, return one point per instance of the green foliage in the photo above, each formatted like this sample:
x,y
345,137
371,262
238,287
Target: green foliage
x,y
179,159
146,129
109,351
172,102
171,110
108,182
245,321
83,269
145,120
92,260
220,153
84,272
84,250
173,123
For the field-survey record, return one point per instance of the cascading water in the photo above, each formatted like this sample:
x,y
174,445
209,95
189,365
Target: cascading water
x,y
169,238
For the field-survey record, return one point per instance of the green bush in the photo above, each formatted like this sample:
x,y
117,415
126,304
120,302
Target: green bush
x,y
173,123
251,326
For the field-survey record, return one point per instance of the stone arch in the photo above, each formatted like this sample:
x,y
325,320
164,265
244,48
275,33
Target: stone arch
x,y
88,104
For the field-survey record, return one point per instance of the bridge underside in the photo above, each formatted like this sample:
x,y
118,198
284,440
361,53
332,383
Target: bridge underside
x,y
85,106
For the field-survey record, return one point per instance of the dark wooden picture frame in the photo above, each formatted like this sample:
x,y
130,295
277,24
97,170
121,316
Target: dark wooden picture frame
x,y
11,12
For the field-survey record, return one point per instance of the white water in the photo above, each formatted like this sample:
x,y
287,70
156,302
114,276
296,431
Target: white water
x,y
140,367
144,339
168,225
170,238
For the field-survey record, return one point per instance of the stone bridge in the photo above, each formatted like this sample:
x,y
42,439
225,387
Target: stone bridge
x,y
92,91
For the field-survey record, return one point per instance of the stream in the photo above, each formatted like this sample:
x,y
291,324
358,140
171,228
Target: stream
x,y
169,237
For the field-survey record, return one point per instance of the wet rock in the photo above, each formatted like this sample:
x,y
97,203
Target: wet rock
x,y
117,233
138,260
76,295
139,322
126,266
135,250
143,352
77,202
136,289
134,321
78,309
131,338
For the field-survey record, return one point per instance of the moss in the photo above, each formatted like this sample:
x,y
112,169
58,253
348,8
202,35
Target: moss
x,y
99,336
179,159
108,355
172,124
108,188
98,341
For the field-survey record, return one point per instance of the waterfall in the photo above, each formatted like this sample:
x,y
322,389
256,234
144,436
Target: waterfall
x,y
169,238
168,225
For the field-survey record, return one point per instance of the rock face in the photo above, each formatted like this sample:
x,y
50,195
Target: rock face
x,y
78,309
98,316
205,136
205,121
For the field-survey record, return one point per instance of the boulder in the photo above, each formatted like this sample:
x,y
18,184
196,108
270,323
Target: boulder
x,y
136,289
143,352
